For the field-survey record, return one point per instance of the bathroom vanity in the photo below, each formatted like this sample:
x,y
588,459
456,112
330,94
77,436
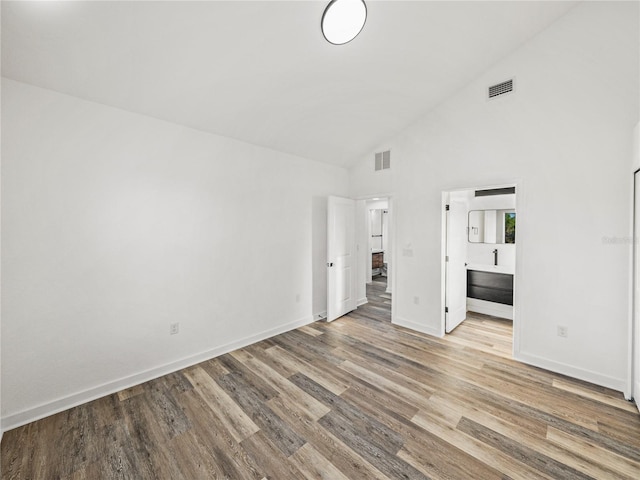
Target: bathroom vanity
x,y
377,260
490,286
490,290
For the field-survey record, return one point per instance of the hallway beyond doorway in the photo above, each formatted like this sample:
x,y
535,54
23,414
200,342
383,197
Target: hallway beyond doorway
x,y
378,304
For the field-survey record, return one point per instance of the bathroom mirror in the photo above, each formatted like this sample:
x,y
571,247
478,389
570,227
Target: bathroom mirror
x,y
492,226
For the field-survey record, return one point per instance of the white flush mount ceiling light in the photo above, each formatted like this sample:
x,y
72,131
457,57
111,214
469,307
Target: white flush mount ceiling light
x,y
343,20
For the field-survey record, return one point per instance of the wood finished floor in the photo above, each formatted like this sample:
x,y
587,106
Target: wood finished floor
x,y
354,399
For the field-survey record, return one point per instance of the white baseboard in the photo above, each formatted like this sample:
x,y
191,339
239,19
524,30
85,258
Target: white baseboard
x,y
418,327
490,308
362,301
618,384
64,403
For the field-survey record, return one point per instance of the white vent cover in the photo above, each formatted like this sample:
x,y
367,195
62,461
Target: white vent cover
x,y
501,88
383,160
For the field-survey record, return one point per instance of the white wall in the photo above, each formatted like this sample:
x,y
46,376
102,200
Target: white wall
x,y
116,225
564,137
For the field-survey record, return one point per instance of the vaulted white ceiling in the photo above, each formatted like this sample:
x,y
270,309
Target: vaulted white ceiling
x,y
261,71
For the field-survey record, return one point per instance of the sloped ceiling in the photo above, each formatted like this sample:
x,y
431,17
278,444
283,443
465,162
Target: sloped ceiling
x,y
261,71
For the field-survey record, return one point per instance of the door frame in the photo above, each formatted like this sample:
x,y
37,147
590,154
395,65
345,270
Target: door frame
x,y
633,387
632,390
517,302
391,273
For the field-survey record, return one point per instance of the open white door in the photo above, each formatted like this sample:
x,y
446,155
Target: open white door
x,y
635,330
341,276
455,270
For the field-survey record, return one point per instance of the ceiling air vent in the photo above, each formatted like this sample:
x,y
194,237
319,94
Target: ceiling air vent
x,y
383,160
501,88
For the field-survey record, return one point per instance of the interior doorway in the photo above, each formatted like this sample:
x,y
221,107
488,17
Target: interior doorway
x,y
375,255
378,236
479,238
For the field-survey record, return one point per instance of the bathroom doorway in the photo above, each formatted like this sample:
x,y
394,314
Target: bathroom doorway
x,y
479,241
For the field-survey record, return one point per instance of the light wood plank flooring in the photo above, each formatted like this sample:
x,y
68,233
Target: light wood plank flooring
x,y
354,399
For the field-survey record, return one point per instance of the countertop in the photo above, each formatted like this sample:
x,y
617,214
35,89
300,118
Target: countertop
x,y
491,268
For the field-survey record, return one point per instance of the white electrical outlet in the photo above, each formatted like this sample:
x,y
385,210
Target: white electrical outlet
x,y
563,331
174,328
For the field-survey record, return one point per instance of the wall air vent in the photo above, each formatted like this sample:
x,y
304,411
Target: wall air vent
x,y
382,160
501,88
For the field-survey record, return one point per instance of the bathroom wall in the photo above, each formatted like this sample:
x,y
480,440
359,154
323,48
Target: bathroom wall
x,y
482,253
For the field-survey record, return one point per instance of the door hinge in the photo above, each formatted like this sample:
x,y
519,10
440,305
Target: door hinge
x,y
446,309
446,258
446,208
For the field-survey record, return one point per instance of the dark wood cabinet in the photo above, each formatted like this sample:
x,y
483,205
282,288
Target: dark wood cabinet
x,y
490,286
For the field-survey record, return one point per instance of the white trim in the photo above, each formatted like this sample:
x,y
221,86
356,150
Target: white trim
x,y
362,301
64,403
443,263
617,384
519,300
630,390
418,327
490,308
320,316
392,261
